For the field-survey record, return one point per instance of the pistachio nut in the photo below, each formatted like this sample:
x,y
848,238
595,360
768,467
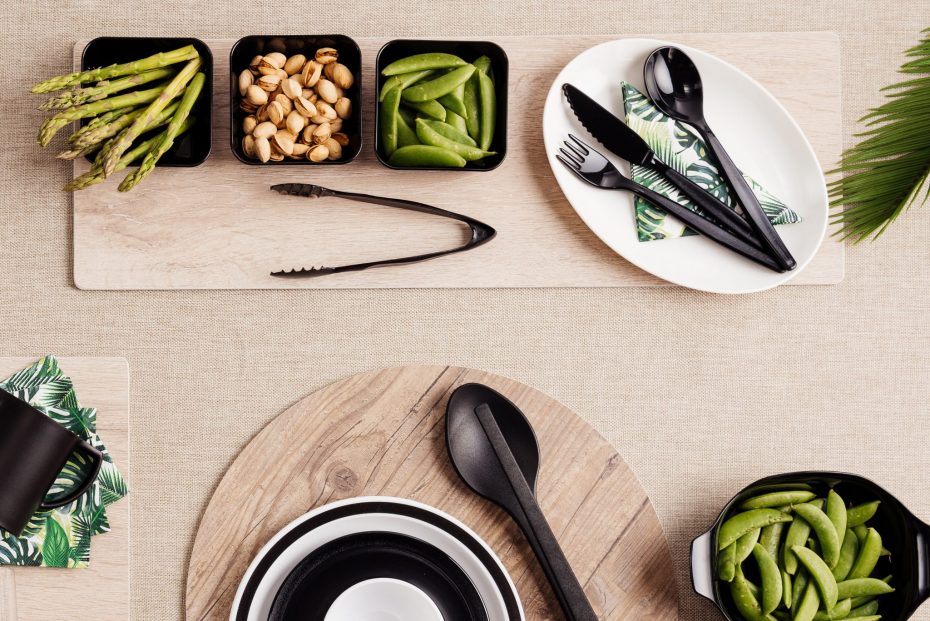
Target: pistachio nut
x,y
294,64
283,140
343,108
300,149
318,153
322,133
311,73
256,96
276,58
247,106
262,149
307,135
336,124
249,124
326,55
265,130
248,146
342,76
281,73
327,91
306,108
266,68
291,88
276,156
326,111
342,139
295,122
334,148
254,63
275,113
262,113
246,79
269,83
285,102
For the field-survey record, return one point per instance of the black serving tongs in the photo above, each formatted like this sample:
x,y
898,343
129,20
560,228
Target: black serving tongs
x,y
481,233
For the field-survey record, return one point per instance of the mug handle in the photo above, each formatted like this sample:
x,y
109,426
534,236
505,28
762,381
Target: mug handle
x,y
702,566
96,458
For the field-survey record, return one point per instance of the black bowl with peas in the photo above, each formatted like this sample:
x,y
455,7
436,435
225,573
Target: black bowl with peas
x,y
441,105
775,552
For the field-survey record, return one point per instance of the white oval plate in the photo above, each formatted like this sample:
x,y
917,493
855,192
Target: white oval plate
x,y
383,522
759,135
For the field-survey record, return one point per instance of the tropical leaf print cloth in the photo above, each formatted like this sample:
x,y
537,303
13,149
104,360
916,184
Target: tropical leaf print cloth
x,y
679,147
61,537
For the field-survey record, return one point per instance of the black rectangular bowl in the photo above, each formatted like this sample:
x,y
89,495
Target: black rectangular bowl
x,y
248,47
193,148
469,51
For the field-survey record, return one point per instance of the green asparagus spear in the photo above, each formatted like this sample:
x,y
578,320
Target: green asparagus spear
x,y
167,137
103,89
52,125
114,71
99,121
128,135
95,174
99,138
162,119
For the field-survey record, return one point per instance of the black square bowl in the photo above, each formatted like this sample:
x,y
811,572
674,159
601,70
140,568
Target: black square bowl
x,y
468,51
193,148
248,47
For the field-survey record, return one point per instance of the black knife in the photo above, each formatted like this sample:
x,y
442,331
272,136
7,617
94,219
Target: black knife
x,y
623,141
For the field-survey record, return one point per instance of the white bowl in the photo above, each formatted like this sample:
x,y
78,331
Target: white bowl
x,y
383,599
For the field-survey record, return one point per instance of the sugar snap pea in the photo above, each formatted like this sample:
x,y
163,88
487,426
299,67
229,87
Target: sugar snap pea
x,y
778,499
483,64
726,563
808,605
866,610
744,600
861,530
786,588
836,511
866,599
820,575
436,88
867,558
425,155
738,525
470,98
796,536
405,134
840,611
389,118
432,109
420,62
402,81
455,101
770,538
860,514
863,587
826,533
770,575
430,136
458,123
444,129
487,99
745,544
848,553
798,587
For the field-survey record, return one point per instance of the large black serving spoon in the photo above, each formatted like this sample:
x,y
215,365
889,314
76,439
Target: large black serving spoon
x,y
495,451
675,87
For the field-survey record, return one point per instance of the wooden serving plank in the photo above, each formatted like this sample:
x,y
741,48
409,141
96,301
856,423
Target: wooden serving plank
x,y
382,433
218,226
101,591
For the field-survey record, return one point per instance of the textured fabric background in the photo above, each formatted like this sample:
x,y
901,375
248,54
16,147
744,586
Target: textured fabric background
x,y
701,394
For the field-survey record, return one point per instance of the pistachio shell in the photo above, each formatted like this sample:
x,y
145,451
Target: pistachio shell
x,y
326,111
307,135
334,148
266,68
275,113
294,63
246,79
262,113
326,55
248,146
254,63
300,149
255,95
342,76
327,91
305,107
341,138
249,124
343,108
276,58
262,149
269,83
318,153
283,140
276,156
322,133
311,73
336,124
291,88
285,102
247,106
265,130
295,122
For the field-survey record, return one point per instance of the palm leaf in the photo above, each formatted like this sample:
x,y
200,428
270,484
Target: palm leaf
x,y
112,485
22,552
56,549
33,375
888,171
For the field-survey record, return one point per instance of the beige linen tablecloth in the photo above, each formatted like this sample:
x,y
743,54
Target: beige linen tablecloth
x,y
700,393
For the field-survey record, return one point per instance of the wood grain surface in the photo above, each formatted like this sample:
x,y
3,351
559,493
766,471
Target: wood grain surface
x,y
218,226
382,433
100,592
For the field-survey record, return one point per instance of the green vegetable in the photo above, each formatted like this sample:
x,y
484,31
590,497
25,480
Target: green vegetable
x,y
808,605
726,563
741,523
820,574
778,499
405,134
745,544
840,611
425,155
402,81
452,133
488,104
865,610
483,64
826,533
470,99
772,585
458,123
863,587
836,511
430,136
796,536
859,515
786,589
444,84
113,71
80,96
420,62
743,599
868,556
455,101
389,117
432,109
848,553
770,538
798,588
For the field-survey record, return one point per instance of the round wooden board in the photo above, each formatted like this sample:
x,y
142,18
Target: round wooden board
x,y
383,433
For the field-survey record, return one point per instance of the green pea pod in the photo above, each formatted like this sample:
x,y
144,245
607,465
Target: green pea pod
x,y
787,590
459,123
738,525
801,580
488,102
430,136
860,514
446,130
745,544
840,611
836,511
861,530
866,610
425,155
388,121
820,575
808,605
826,533
402,81
796,536
772,585
868,556
862,600
455,101
848,553
483,64
770,538
778,499
470,98
405,134
434,89
421,62
870,618
726,563
863,587
432,109
743,599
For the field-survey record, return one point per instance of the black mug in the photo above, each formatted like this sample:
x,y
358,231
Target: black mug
x,y
33,450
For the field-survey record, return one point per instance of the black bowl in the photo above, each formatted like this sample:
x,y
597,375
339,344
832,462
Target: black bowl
x,y
247,48
468,50
905,536
193,148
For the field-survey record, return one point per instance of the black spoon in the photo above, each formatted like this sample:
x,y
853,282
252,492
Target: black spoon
x,y
494,450
674,85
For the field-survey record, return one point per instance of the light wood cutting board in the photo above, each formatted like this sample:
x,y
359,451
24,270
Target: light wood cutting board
x,y
219,227
100,592
382,434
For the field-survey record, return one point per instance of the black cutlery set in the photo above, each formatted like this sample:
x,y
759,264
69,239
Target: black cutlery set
x,y
674,85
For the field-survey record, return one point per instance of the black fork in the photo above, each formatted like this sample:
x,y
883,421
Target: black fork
x,y
591,166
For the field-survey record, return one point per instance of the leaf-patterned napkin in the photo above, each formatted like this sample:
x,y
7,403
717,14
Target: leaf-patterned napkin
x,y
61,537
679,147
